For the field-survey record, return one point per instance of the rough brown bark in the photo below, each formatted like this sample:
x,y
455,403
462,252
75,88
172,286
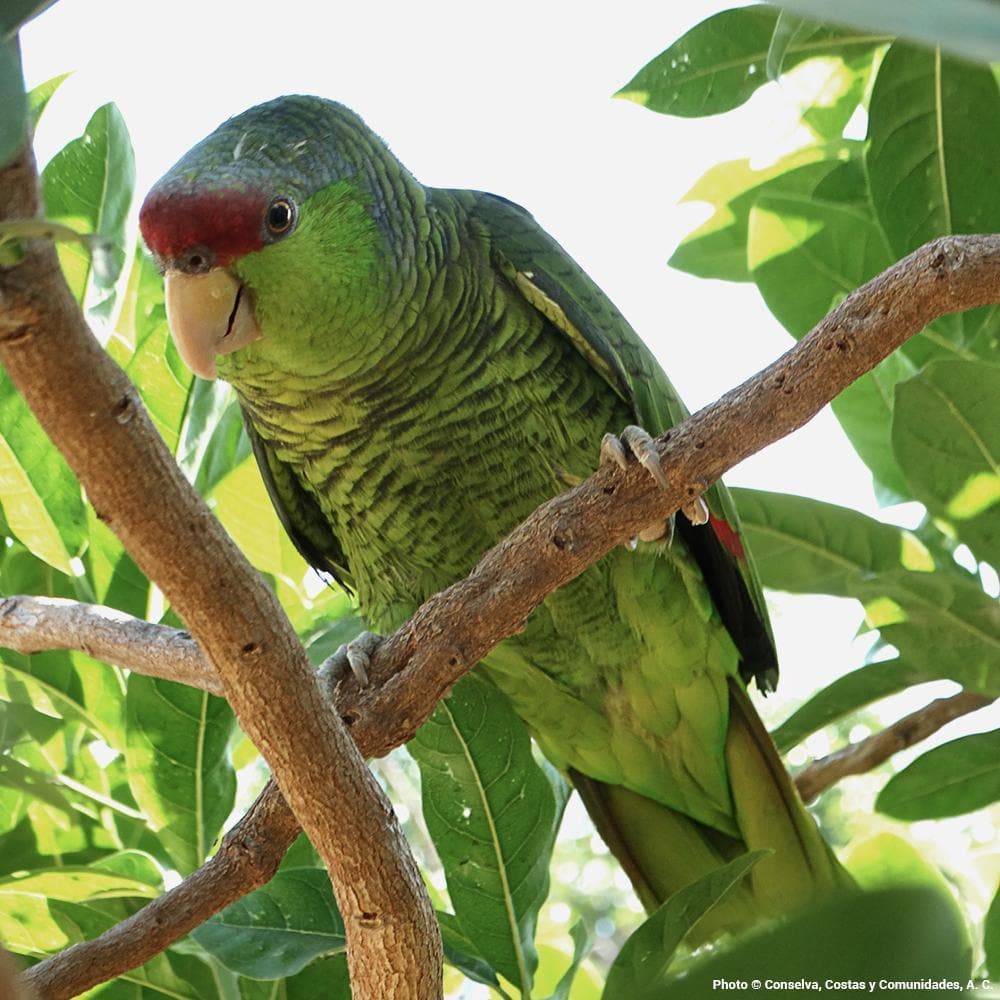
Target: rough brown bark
x,y
93,414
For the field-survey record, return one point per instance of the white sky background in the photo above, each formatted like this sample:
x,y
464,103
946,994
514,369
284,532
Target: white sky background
x,y
514,98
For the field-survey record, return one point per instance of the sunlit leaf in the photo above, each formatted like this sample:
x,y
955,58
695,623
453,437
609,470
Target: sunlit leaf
x,y
718,247
719,63
949,780
946,435
88,186
178,764
41,497
278,929
39,97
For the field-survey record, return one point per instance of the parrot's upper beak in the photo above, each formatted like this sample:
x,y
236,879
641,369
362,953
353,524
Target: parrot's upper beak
x,y
209,314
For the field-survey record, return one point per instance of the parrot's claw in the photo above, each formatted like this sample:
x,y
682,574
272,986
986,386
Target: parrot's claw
x,y
641,444
354,656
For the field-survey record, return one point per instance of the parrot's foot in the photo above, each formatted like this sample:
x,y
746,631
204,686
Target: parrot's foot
x,y
642,445
354,656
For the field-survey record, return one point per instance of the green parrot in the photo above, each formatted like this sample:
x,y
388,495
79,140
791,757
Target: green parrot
x,y
418,370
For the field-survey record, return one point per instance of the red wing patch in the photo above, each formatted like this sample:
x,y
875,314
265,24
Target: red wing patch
x,y
727,536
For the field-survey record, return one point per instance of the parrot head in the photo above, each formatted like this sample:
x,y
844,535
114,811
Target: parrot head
x,y
260,222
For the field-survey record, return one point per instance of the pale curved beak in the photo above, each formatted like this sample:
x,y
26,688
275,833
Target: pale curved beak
x,y
208,314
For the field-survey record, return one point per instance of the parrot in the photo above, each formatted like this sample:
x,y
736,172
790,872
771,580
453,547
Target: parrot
x,y
418,369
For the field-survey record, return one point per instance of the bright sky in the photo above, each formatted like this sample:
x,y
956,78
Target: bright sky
x,y
513,98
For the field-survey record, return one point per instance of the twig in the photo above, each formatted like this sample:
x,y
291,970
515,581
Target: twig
x,y
34,624
867,754
247,858
94,415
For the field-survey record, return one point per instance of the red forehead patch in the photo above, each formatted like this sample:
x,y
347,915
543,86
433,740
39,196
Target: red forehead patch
x,y
228,223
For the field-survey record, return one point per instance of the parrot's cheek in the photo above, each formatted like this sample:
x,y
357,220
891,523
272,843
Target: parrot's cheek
x,y
208,314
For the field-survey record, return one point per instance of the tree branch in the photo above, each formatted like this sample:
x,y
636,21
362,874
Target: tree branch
x,y
34,624
456,628
247,858
94,415
867,754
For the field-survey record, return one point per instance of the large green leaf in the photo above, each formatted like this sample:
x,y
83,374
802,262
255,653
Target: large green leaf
x,y
941,622
641,965
88,186
946,435
278,929
904,934
930,162
493,814
41,497
949,780
178,765
719,63
718,247
969,28
15,13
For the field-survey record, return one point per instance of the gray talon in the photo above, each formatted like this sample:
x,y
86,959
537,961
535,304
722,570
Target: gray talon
x,y
642,445
354,656
612,450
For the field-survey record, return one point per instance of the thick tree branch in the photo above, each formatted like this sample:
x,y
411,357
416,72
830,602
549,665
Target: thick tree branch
x,y
867,754
93,413
451,632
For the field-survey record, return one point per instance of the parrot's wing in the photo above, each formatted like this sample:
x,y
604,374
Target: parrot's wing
x,y
563,292
299,513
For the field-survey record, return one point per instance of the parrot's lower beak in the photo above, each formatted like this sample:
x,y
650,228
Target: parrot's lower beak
x,y
209,314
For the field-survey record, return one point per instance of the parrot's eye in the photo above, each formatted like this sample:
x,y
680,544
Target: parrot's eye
x,y
280,216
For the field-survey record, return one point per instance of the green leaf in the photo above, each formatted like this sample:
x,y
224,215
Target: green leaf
x,y
88,186
322,979
718,247
719,63
74,885
154,365
845,695
492,813
929,160
946,435
949,780
178,764
41,497
278,929
991,937
941,622
461,953
582,942
806,546
968,28
642,963
39,97
13,103
903,934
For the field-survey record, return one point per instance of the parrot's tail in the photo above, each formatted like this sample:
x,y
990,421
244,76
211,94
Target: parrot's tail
x,y
662,850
